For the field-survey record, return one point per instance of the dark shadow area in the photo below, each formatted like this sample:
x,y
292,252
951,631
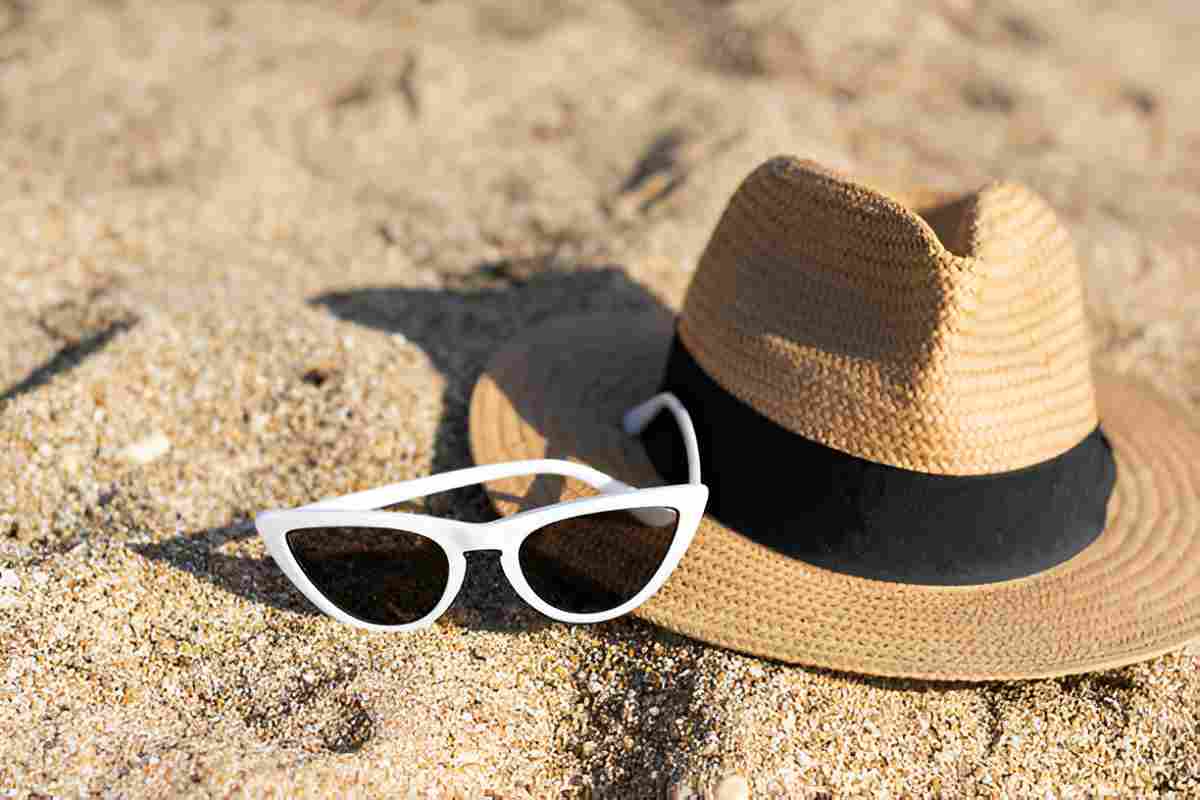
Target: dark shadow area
x,y
458,328
485,602
67,358
257,579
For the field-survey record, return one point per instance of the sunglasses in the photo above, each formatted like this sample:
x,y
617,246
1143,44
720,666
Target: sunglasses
x,y
583,560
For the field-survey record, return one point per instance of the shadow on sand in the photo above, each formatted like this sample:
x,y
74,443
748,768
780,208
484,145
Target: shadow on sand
x,y
458,328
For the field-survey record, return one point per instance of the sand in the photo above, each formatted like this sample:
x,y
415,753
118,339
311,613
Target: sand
x,y
256,254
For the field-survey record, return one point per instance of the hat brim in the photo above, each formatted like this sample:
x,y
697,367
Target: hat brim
x,y
559,391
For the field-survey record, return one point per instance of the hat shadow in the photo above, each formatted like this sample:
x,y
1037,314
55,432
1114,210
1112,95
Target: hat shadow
x,y
458,327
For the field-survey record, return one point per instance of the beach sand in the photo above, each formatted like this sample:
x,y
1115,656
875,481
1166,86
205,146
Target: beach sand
x,y
257,254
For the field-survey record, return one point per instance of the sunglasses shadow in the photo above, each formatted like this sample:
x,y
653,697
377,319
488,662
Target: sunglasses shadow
x,y
458,328
486,601
255,578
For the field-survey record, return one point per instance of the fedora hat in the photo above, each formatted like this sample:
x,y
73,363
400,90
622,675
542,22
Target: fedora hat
x,y
913,468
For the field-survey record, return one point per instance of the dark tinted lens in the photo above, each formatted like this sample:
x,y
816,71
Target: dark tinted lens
x,y
593,563
375,574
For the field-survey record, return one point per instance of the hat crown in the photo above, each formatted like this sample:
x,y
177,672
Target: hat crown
x,y
942,334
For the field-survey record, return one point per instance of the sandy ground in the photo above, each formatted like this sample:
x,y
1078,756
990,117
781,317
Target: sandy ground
x,y
256,254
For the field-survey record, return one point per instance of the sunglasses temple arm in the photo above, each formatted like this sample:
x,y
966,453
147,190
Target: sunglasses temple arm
x,y
637,418
420,487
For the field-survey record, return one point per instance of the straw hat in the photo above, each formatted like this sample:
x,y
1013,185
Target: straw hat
x,y
913,470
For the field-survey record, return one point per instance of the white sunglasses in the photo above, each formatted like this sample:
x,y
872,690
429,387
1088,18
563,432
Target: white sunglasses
x,y
395,571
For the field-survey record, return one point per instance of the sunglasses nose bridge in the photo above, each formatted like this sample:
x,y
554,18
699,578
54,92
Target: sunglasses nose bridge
x,y
480,536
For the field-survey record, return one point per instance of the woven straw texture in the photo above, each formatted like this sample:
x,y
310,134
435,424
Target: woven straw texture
x,y
559,391
853,321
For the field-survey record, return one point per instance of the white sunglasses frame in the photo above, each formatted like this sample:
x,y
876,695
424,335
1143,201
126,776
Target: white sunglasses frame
x,y
506,534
